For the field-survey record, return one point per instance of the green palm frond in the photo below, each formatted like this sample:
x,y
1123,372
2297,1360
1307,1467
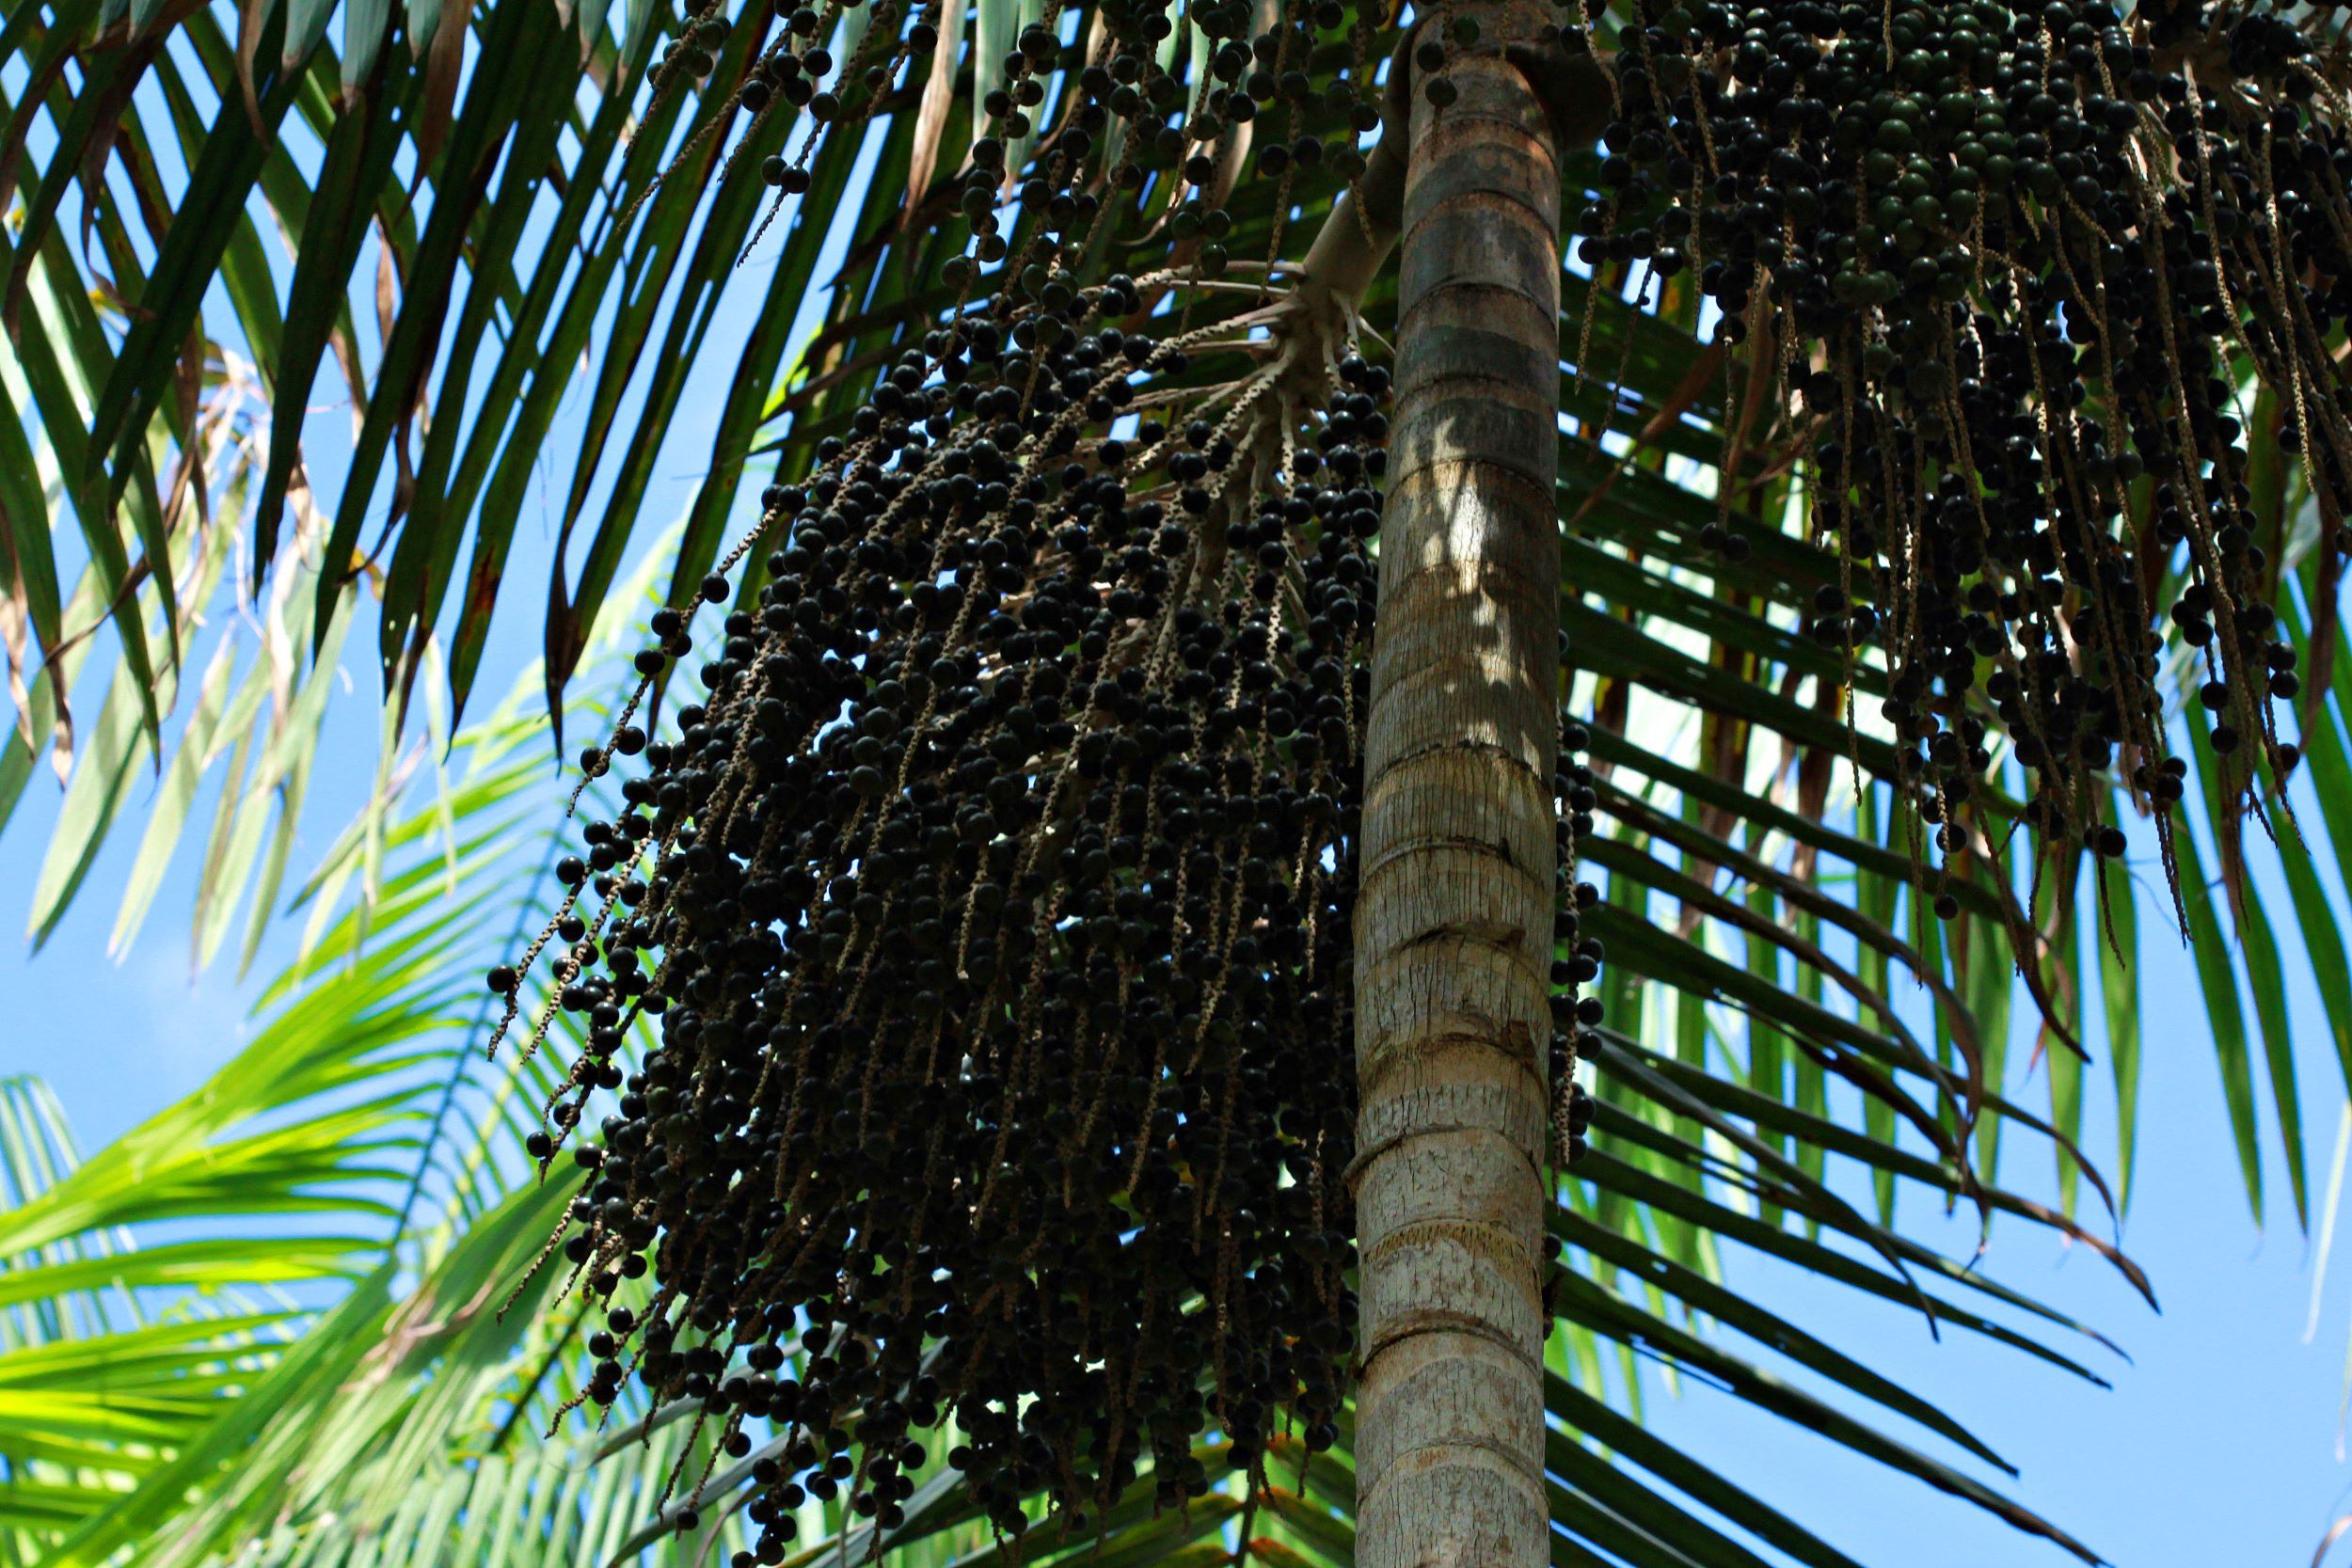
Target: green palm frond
x,y
134,1349
157,443
226,1282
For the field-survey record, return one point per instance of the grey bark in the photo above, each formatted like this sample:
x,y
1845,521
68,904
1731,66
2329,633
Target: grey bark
x,y
1455,904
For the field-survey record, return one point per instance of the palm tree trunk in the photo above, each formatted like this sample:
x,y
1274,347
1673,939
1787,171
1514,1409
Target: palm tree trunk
x,y
1455,907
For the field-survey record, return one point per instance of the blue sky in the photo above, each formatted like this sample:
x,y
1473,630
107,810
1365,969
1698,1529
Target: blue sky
x,y
2216,1445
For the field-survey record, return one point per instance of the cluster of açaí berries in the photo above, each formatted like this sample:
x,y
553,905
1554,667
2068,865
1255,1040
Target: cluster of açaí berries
x,y
2008,262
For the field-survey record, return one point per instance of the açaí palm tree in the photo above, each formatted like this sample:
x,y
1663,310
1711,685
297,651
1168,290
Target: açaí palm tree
x,y
1924,362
